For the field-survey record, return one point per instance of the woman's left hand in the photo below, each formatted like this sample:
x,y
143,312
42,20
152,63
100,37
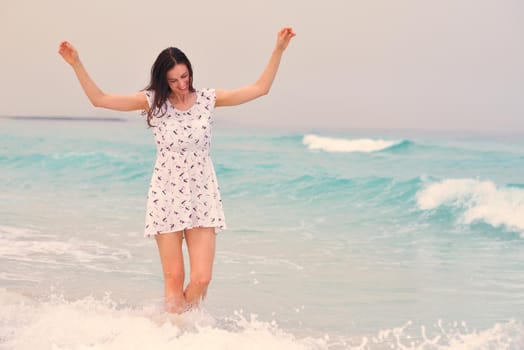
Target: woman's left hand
x,y
284,37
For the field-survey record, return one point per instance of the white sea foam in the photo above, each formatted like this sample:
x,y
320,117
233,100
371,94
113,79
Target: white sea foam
x,y
454,336
329,144
481,201
101,324
20,232
89,323
229,257
25,244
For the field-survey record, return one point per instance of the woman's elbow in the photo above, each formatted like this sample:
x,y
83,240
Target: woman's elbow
x,y
96,104
261,88
263,91
96,101
100,101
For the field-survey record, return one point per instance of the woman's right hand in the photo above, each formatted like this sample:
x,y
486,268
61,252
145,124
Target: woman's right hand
x,y
284,37
98,98
68,53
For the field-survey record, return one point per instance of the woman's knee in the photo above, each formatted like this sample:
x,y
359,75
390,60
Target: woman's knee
x,y
174,277
201,280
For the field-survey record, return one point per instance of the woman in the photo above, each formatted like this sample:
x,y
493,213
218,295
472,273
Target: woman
x,y
183,199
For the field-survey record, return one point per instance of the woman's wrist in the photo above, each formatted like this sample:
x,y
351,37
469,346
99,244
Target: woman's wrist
x,y
76,65
278,51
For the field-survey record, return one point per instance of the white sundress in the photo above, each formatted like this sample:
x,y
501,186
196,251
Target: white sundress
x,y
184,191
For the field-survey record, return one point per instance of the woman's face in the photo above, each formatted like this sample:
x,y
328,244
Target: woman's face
x,y
178,79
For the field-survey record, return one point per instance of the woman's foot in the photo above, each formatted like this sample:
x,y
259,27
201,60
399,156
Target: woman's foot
x,y
176,305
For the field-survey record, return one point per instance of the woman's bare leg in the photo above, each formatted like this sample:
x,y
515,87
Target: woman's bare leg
x,y
172,259
201,248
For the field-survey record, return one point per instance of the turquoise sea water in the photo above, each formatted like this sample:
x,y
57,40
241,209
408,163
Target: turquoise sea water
x,y
346,240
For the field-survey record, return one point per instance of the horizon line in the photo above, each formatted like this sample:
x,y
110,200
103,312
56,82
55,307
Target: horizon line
x,y
65,118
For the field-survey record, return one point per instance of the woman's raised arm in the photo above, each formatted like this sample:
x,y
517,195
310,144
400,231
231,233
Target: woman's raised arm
x,y
263,84
98,98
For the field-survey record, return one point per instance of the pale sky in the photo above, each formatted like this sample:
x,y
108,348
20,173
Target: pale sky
x,y
385,64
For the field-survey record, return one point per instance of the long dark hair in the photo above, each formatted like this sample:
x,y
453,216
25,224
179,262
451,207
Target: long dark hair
x,y
165,61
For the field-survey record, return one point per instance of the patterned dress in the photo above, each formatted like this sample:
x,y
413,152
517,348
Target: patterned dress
x,y
184,191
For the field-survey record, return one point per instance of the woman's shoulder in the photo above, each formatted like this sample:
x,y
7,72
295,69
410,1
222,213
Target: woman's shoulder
x,y
207,93
150,96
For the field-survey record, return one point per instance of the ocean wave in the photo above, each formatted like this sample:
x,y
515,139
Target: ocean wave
x,y
454,336
90,323
480,201
53,322
62,159
29,245
95,166
330,144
